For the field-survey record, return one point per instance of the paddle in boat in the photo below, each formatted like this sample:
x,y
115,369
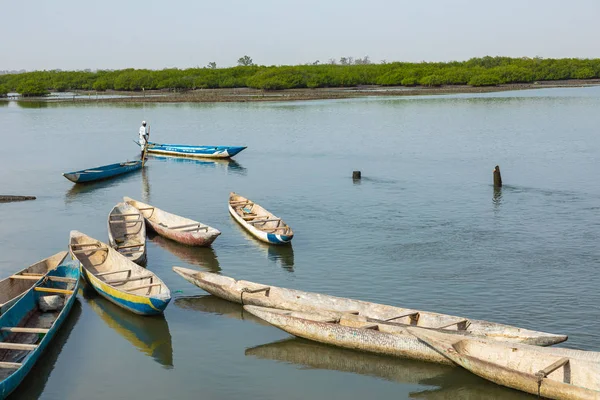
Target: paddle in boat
x,y
183,150
127,232
180,229
27,328
104,172
251,293
118,279
16,285
259,222
553,373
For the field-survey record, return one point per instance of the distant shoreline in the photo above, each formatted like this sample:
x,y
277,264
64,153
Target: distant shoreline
x,y
255,95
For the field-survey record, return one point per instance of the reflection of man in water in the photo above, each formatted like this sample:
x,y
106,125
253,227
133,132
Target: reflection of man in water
x,y
143,137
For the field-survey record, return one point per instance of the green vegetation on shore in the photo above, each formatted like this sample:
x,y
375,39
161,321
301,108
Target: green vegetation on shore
x,y
486,71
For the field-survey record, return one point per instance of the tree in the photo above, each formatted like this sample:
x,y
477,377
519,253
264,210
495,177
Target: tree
x,y
3,90
212,65
32,88
245,61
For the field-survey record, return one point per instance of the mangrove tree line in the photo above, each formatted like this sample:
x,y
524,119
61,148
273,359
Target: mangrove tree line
x,y
486,71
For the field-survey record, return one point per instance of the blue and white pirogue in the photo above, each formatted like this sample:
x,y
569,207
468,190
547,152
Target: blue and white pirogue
x,y
259,222
184,150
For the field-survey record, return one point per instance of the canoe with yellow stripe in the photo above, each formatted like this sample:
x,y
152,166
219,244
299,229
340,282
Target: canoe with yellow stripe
x,y
118,279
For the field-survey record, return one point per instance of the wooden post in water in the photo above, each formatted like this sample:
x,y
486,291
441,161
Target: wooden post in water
x,y
356,175
497,177
9,198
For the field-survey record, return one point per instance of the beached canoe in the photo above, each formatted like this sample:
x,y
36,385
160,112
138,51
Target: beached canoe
x,y
174,227
127,232
104,172
183,150
117,279
257,294
28,327
550,372
15,286
259,222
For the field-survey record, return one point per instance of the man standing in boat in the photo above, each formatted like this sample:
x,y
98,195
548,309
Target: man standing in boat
x,y
144,136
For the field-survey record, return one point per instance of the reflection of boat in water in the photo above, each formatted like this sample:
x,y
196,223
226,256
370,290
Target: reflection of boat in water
x,y
150,335
307,354
282,255
228,164
214,305
450,383
204,257
34,383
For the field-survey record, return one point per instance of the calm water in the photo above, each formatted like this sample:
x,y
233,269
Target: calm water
x,y
423,229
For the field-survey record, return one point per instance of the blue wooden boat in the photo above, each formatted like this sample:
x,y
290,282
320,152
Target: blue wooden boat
x,y
183,150
26,330
118,279
104,172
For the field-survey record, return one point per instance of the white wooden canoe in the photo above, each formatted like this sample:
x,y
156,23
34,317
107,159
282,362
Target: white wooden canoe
x,y
259,222
118,279
127,232
251,293
15,286
551,372
174,227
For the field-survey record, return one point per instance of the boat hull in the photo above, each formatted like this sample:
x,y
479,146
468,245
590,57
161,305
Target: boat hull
x,y
179,150
23,307
251,293
127,231
103,172
159,221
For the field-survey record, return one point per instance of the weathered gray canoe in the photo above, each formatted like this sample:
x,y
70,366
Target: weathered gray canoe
x,y
251,293
127,232
15,286
551,372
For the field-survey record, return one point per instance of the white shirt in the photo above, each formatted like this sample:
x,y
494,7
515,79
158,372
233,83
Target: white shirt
x,y
143,133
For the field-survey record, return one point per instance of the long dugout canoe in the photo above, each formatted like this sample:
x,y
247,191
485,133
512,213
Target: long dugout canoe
x,y
251,293
553,373
103,172
184,150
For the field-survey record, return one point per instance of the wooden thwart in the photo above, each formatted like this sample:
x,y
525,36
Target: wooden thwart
x,y
17,346
130,246
551,368
452,324
113,272
410,314
126,221
85,250
186,226
35,277
19,329
144,286
264,220
52,290
10,365
135,278
125,215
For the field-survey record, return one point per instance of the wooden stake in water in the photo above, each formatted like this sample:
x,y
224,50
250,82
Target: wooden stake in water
x,y
497,177
356,175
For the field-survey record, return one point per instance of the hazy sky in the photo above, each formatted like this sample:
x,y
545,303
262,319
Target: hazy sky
x,y
111,34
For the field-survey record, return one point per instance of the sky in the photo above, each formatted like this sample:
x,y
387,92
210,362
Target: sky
x,y
116,34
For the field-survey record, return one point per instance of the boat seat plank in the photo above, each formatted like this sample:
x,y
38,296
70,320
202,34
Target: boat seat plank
x,y
552,367
146,208
410,314
184,226
126,221
52,290
85,244
144,286
264,220
124,215
460,321
135,278
33,278
112,272
86,250
10,365
130,246
19,329
17,346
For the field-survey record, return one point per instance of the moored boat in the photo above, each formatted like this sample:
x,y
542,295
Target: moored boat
x,y
259,222
103,172
553,373
127,232
257,294
28,327
16,285
174,227
118,279
184,150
